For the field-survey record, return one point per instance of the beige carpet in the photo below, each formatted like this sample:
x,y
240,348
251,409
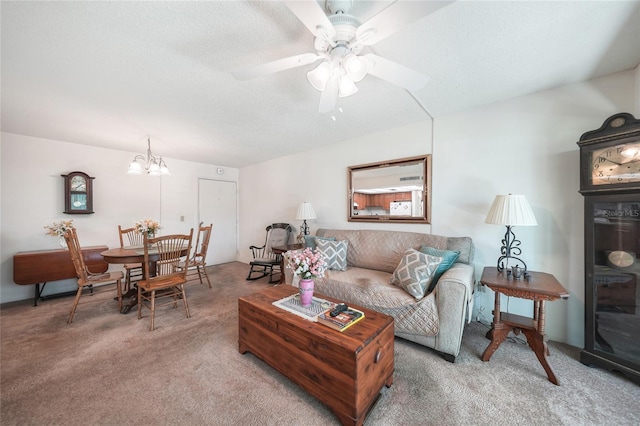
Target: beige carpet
x,y
109,369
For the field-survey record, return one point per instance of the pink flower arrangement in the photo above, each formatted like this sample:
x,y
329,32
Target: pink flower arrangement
x,y
307,263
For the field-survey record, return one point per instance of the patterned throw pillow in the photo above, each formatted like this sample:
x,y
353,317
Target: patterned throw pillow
x,y
335,253
415,272
448,259
310,240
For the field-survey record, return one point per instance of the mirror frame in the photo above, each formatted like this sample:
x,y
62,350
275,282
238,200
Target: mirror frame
x,y
426,191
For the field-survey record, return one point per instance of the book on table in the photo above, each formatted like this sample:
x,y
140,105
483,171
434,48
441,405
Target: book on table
x,y
343,320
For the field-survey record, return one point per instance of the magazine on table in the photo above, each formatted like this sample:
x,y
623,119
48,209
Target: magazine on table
x,y
310,313
341,321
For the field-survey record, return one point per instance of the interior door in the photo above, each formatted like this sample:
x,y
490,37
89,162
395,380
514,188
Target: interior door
x,y
217,204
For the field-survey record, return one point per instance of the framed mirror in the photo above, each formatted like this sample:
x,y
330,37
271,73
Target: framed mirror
x,y
391,191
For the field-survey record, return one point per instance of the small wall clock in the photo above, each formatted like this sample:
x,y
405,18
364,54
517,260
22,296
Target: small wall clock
x,y
78,193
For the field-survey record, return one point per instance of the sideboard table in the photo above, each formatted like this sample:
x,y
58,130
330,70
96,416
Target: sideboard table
x,y
537,286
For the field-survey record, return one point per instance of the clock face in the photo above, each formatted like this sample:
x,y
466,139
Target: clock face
x,y
616,164
78,183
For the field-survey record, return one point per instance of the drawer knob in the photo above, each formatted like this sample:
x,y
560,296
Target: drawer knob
x,y
378,356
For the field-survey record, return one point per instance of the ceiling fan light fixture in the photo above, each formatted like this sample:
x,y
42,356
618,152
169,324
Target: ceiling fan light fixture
x,y
346,87
355,66
319,76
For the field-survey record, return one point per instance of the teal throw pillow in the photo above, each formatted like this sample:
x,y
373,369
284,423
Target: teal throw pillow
x,y
448,259
334,252
415,272
310,240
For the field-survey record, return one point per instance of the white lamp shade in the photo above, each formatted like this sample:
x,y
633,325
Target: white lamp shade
x,y
319,77
305,211
134,168
346,87
356,67
511,210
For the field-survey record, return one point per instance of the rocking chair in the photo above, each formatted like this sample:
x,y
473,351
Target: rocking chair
x,y
264,260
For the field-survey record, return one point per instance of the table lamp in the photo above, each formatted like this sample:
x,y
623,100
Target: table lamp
x,y
511,210
305,211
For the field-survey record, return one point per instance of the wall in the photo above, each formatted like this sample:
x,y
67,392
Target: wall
x,y
271,191
526,145
32,197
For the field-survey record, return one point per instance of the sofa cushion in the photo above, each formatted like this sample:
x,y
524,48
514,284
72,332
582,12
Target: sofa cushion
x,y
334,252
310,240
448,259
415,272
371,289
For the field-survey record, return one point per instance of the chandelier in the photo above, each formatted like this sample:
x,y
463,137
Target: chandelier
x,y
151,165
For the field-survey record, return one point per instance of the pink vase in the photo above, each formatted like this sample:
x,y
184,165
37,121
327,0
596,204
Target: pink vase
x,y
305,287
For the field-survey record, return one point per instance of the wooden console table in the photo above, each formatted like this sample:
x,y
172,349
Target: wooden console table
x,y
42,266
539,287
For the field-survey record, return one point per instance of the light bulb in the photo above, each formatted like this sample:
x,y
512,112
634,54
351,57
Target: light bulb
x,y
346,87
356,67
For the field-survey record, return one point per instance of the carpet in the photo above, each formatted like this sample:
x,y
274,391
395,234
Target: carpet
x,y
107,368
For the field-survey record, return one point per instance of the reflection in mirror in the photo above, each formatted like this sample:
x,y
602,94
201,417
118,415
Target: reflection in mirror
x,y
391,191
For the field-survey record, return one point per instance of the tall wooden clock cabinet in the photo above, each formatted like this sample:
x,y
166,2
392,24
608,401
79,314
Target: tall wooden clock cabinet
x,y
610,184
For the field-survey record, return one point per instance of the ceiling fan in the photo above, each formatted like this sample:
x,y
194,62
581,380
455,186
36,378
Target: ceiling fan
x,y
339,41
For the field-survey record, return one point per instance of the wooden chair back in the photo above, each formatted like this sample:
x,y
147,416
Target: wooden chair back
x,y
202,244
171,250
130,235
71,237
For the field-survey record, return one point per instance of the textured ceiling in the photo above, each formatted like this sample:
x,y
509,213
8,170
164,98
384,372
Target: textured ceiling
x,y
112,73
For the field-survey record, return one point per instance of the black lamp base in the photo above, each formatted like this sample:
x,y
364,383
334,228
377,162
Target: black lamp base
x,y
510,247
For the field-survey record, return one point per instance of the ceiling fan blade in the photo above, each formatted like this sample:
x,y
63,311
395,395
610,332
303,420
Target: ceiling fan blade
x,y
395,17
276,66
329,96
312,16
396,73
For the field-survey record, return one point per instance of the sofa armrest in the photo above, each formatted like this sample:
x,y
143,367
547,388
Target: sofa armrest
x,y
454,293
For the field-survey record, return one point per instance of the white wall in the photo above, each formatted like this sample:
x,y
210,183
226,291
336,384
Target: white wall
x,y
271,191
526,145
32,197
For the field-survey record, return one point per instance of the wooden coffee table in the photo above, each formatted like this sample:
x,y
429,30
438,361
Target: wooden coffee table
x,y
345,371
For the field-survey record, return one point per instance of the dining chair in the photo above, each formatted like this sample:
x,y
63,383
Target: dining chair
x,y
133,270
196,264
86,279
163,277
264,259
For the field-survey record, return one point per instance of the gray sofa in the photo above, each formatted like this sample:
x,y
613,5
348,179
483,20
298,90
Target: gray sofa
x,y
438,319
